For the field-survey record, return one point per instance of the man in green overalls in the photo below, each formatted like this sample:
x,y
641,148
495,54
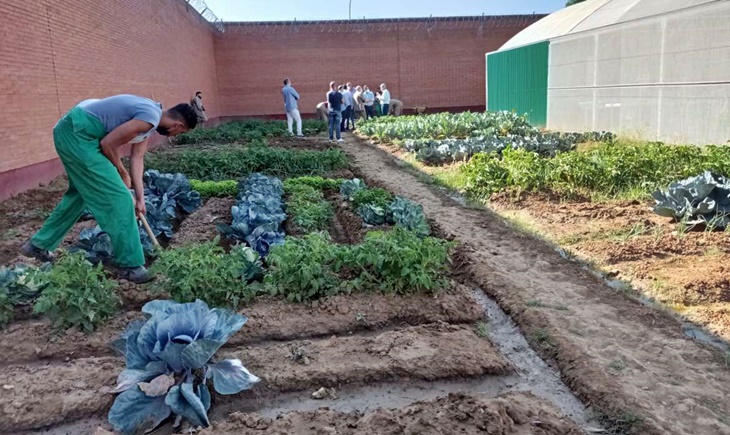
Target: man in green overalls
x,y
87,140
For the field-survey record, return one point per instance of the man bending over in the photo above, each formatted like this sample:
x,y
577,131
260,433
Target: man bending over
x,y
87,139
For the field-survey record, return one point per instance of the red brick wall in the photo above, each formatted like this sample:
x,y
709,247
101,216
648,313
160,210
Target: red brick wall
x,y
55,53
438,64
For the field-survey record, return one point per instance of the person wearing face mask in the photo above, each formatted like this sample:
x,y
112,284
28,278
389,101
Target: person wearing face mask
x,y
87,140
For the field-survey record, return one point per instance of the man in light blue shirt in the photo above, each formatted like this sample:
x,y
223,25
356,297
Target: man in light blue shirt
x,y
347,110
291,105
87,140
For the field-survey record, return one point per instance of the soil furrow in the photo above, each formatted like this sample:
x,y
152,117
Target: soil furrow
x,y
429,352
269,320
514,413
625,359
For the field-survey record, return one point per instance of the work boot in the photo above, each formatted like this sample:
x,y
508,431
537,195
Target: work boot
x,y
137,275
31,251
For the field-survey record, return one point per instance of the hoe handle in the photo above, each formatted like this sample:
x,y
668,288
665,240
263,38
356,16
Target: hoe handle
x,y
147,228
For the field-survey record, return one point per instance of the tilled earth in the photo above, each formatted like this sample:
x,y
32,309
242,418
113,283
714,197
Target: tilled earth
x,y
59,382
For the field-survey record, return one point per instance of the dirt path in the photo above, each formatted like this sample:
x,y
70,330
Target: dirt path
x,y
625,359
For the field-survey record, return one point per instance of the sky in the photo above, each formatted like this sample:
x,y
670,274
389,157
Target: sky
x,y
287,10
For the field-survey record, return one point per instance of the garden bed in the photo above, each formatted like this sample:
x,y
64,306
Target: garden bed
x,y
365,335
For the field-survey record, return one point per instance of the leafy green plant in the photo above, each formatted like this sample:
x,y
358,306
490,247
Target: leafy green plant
x,y
6,310
372,196
399,261
246,131
204,271
409,215
238,162
169,358
304,268
619,169
215,189
257,214
350,187
316,182
78,294
308,209
703,199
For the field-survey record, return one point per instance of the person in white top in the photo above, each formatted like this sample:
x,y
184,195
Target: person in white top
x,y
385,99
369,98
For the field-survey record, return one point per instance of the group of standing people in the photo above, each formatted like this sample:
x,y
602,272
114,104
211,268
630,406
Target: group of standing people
x,y
346,103
343,105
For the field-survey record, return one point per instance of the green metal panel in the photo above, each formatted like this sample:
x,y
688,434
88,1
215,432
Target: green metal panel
x,y
517,80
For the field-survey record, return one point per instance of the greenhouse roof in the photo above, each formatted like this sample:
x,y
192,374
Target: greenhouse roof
x,y
594,14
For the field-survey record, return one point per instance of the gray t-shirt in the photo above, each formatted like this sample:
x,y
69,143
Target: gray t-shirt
x,y
115,111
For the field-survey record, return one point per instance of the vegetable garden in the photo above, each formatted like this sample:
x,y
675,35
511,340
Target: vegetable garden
x,y
283,272
646,213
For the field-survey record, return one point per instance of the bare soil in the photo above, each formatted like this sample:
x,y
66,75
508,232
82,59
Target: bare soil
x,y
629,361
515,413
687,270
268,320
300,143
200,225
80,388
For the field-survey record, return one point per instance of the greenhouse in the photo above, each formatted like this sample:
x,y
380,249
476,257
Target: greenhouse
x,y
657,70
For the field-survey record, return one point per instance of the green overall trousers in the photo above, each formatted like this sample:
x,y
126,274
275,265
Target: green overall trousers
x,y
93,182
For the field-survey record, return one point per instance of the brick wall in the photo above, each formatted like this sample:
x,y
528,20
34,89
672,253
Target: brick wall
x,y
56,53
436,64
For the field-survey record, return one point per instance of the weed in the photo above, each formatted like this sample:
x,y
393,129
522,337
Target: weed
x,y
617,365
78,294
360,317
618,423
206,272
542,341
299,354
482,329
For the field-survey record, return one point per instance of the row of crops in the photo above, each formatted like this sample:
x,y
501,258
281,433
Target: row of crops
x,y
171,368
501,152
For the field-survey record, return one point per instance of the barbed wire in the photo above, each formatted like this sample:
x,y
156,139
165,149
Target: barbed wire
x,y
384,25
205,12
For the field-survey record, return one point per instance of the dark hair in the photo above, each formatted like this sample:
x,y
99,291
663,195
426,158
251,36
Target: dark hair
x,y
286,81
184,112
198,93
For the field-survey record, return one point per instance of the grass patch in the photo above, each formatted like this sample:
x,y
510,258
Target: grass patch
x,y
621,423
482,329
541,340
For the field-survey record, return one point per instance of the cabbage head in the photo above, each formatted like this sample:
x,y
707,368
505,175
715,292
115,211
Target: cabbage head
x,y
169,359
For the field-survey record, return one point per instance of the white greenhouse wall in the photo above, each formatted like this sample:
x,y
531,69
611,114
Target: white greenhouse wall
x,y
665,77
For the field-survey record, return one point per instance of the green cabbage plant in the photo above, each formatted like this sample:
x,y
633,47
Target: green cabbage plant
x,y
169,360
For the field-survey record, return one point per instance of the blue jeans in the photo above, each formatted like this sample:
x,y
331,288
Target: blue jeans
x,y
335,120
346,116
370,110
386,108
